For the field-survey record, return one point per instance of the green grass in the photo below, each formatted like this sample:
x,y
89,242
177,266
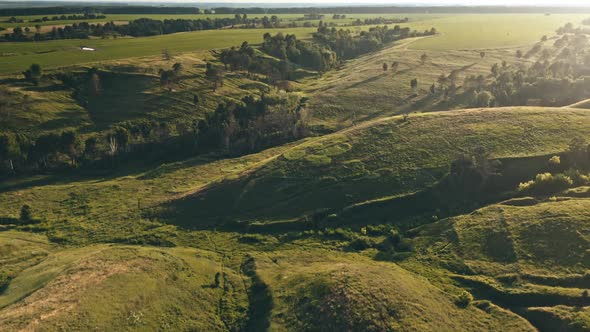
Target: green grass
x,y
16,57
458,32
489,31
323,290
118,288
384,157
129,90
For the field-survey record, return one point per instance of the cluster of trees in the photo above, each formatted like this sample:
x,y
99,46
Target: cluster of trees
x,y
138,28
85,16
347,44
380,20
243,127
18,151
287,47
559,76
254,123
328,48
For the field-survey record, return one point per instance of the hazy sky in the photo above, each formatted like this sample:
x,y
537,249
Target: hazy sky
x,y
393,2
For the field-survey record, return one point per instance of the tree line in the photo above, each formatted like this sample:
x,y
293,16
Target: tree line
x,y
236,128
559,76
138,28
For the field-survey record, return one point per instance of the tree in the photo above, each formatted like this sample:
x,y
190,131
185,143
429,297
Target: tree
x,y
70,145
578,152
122,137
385,67
482,54
483,99
214,75
9,150
177,67
34,74
414,84
423,58
166,55
91,147
26,216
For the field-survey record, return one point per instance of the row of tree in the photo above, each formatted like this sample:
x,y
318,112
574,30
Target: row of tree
x,y
138,28
243,127
559,76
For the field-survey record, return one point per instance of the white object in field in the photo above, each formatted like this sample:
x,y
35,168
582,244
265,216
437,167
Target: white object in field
x,y
88,49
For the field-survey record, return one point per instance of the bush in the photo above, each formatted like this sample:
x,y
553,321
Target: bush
x,y
555,161
4,280
578,178
25,214
546,183
405,245
361,243
464,299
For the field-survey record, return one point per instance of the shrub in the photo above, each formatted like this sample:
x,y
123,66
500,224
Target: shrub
x,y
464,299
25,214
4,280
361,243
546,183
555,161
405,245
578,178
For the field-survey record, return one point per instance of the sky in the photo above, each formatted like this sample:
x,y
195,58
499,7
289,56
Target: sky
x,y
381,2
392,2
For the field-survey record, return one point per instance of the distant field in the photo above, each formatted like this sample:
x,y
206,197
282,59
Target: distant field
x,y
15,57
486,31
129,17
472,31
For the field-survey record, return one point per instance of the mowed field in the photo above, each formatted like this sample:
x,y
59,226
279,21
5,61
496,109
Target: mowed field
x,y
28,20
15,57
487,31
469,31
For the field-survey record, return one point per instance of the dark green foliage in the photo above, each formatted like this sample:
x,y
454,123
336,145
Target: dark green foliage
x,y
34,74
464,299
546,184
4,281
26,215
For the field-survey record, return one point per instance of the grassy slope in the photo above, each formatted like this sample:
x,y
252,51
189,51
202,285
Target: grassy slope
x,y
293,287
361,90
73,288
381,158
130,90
328,291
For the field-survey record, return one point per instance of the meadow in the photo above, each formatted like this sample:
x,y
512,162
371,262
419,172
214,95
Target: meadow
x,y
456,32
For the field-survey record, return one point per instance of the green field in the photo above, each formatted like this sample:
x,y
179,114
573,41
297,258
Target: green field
x,y
490,31
18,56
456,32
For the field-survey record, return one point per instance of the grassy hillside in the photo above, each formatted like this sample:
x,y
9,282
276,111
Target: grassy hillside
x,y
328,291
360,90
385,157
129,90
74,288
532,257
